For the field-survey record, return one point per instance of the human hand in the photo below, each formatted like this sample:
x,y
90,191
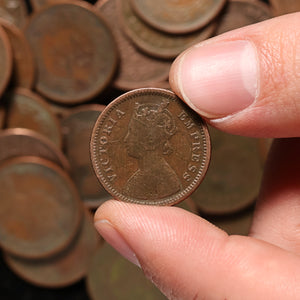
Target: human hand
x,y
244,82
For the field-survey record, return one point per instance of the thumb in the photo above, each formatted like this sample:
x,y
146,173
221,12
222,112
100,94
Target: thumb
x,y
246,81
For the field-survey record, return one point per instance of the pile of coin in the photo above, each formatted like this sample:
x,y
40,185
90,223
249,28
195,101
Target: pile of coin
x,y
60,65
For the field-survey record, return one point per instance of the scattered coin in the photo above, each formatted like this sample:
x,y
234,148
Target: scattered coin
x,y
113,277
74,50
136,69
179,16
40,209
28,110
233,179
281,7
14,11
149,147
17,142
65,268
154,42
239,13
23,64
77,129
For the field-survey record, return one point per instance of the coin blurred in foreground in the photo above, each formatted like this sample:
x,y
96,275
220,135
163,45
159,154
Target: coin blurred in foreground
x,y
64,268
77,128
177,16
74,50
16,142
40,210
149,147
233,179
113,277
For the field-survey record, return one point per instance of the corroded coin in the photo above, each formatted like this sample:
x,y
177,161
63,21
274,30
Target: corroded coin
x,y
233,179
239,13
281,7
74,49
181,16
153,41
113,277
14,11
77,129
64,268
23,64
5,61
40,210
148,147
16,142
28,110
136,69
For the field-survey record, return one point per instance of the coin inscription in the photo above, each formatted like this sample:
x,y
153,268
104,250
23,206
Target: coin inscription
x,y
148,147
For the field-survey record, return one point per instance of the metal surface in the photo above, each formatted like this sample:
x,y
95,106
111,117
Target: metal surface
x,y
149,147
14,11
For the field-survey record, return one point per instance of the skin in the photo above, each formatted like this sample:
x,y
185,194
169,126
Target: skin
x,y
189,258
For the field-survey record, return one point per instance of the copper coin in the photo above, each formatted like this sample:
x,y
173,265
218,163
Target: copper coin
x,y
148,147
16,142
281,7
14,11
5,60
64,268
28,110
112,277
233,179
264,146
154,42
23,64
40,208
74,49
77,129
136,69
39,4
239,13
181,16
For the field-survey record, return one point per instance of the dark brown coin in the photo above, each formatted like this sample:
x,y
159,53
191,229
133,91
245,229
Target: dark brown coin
x,y
64,268
233,179
16,142
40,209
264,146
77,129
39,4
148,147
2,116
181,16
154,42
14,11
281,7
28,110
113,277
5,60
239,13
136,69
74,49
23,64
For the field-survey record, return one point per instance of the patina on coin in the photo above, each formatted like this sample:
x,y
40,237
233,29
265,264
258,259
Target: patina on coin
x,y
66,267
181,16
112,277
148,147
74,50
40,210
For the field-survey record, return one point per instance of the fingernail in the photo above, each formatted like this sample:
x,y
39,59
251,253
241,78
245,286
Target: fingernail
x,y
217,79
114,238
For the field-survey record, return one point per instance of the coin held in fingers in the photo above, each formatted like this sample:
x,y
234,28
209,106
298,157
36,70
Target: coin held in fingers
x,y
148,147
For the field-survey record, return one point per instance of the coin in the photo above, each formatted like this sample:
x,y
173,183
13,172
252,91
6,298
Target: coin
x,y
64,268
14,11
77,128
23,64
2,116
5,60
281,7
28,110
239,13
74,49
112,277
148,147
154,42
181,16
136,69
264,146
233,179
16,142
40,209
